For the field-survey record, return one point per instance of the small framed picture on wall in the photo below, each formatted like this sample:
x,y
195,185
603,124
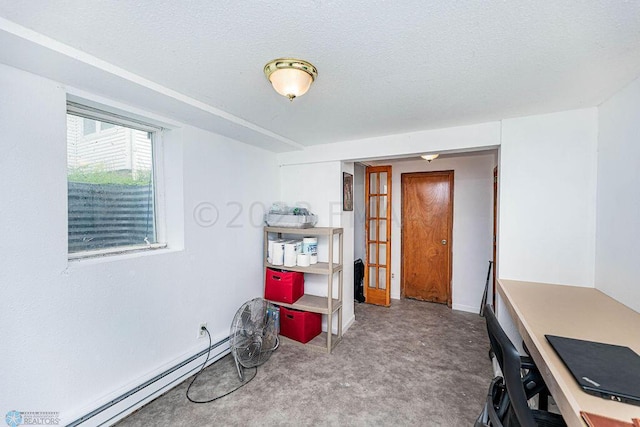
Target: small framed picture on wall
x,y
347,191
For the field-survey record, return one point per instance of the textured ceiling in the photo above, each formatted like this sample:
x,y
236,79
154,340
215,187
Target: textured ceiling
x,y
384,67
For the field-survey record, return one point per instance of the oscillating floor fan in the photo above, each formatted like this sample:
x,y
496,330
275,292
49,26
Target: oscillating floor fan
x,y
254,334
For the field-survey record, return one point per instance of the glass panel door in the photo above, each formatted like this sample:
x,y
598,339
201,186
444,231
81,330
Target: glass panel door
x,y
378,235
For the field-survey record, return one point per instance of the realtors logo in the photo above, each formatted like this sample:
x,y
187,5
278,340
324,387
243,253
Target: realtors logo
x,y
18,418
13,418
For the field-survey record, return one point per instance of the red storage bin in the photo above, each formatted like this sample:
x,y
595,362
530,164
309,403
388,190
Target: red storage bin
x,y
283,286
298,325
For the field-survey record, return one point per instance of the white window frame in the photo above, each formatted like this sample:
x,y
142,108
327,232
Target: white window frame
x,y
85,111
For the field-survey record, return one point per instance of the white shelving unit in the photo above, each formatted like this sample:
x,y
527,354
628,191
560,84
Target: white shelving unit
x,y
328,304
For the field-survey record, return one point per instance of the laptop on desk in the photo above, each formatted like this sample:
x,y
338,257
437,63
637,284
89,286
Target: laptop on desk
x,y
604,370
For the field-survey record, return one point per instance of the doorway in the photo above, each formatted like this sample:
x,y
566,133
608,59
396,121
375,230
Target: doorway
x,y
427,222
377,272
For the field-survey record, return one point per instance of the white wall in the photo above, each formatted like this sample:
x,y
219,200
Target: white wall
x,y
79,333
318,187
348,223
547,198
472,223
618,197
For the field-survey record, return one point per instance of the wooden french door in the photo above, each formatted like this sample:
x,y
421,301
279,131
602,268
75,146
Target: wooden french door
x,y
377,272
427,221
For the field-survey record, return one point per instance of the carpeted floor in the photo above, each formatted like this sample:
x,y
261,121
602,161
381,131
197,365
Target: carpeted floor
x,y
413,364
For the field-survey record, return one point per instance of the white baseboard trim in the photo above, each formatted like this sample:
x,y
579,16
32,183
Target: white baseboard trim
x,y
347,324
108,411
468,308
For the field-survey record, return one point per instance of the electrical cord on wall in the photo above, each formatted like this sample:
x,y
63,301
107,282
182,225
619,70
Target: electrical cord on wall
x,y
255,372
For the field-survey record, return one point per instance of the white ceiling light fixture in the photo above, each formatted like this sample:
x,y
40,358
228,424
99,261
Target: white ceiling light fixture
x,y
290,77
429,157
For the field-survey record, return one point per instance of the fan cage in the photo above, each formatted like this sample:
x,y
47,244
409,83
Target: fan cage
x,y
254,332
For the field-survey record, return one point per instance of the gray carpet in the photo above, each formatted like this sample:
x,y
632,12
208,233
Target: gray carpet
x,y
413,364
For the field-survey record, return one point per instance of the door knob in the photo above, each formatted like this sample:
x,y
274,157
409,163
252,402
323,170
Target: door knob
x,y
444,241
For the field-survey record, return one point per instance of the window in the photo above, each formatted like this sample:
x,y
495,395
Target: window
x,y
90,126
110,176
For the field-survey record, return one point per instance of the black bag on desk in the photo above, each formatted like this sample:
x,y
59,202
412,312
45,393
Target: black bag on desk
x,y
358,277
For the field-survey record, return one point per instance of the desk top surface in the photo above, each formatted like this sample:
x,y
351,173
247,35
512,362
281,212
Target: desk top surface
x,y
575,312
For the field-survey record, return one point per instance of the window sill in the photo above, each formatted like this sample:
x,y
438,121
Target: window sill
x,y
118,253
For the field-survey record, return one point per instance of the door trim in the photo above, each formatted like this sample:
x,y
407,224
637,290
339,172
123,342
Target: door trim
x,y
373,296
450,175
495,233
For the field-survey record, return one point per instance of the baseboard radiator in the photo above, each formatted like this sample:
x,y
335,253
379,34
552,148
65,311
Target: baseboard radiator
x,y
126,403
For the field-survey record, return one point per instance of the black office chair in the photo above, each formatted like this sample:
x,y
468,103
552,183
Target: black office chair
x,y
531,377
507,399
495,406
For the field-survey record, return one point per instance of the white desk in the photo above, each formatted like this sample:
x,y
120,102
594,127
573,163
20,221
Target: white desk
x,y
584,313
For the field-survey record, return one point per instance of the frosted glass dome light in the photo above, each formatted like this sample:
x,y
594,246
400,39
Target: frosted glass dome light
x,y
290,77
429,157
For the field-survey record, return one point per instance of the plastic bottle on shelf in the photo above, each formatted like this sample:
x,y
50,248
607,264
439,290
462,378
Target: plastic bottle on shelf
x,y
310,246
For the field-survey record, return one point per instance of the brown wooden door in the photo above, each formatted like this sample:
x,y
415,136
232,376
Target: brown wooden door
x,y
377,272
427,219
